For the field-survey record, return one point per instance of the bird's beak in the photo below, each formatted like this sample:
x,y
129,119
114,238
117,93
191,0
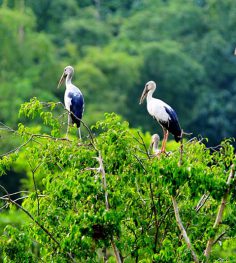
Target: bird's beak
x,y
143,96
63,76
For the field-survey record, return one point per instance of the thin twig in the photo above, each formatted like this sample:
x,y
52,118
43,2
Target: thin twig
x,y
140,162
17,199
17,148
219,237
7,127
16,193
31,138
201,202
144,145
35,186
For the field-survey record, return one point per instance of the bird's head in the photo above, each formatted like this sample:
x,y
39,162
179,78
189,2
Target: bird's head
x,y
150,85
68,71
155,138
154,143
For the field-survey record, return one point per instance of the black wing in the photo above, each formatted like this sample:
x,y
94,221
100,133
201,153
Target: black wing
x,y
76,107
173,124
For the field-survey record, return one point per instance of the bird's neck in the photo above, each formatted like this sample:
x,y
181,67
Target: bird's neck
x,y
149,95
155,147
68,80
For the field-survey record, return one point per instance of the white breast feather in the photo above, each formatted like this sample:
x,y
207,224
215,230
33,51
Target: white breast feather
x,y
156,109
67,100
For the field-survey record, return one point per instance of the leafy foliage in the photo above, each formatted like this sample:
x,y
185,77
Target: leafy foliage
x,y
72,219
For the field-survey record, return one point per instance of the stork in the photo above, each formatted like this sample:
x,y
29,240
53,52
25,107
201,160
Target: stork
x,y
154,144
163,113
73,99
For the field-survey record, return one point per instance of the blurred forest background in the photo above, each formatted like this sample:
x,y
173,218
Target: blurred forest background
x,y
116,47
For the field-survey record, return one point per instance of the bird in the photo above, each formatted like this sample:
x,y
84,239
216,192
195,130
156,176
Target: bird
x,y
163,113
73,99
155,139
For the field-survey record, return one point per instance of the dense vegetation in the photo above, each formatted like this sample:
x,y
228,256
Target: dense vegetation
x,y
106,198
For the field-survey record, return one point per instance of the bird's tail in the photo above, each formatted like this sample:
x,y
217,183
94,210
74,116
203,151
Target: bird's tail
x,y
179,137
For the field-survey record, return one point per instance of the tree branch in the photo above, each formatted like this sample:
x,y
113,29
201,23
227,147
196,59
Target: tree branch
x,y
104,184
220,211
182,229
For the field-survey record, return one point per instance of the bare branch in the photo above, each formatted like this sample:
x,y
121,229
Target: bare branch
x,y
104,184
182,229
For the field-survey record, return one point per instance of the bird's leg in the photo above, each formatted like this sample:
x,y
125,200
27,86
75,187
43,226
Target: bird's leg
x,y
166,137
79,133
68,125
163,141
163,146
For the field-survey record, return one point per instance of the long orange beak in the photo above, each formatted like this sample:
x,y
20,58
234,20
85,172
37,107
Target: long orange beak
x,y
143,96
62,79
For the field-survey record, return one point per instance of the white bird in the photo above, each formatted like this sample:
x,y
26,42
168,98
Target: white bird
x,y
163,113
73,99
154,144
